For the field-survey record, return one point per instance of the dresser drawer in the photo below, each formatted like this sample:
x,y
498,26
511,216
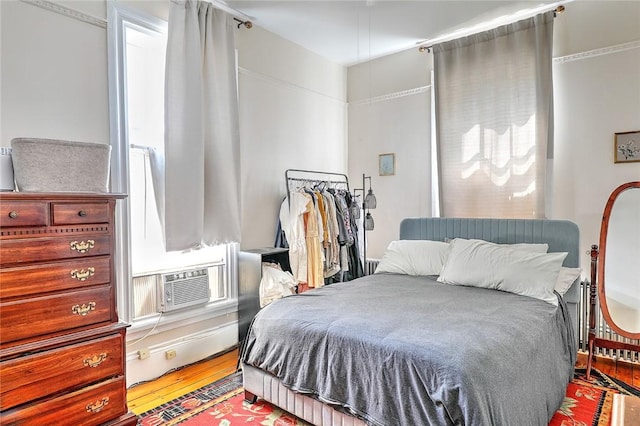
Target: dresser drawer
x,y
90,406
66,247
36,376
24,281
79,213
37,316
23,213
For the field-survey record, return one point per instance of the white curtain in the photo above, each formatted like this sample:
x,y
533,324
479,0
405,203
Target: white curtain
x,y
202,157
494,120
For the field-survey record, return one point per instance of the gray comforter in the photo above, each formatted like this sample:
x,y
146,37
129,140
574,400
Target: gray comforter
x,y
404,350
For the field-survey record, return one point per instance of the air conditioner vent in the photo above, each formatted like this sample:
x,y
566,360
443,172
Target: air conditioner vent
x,y
183,289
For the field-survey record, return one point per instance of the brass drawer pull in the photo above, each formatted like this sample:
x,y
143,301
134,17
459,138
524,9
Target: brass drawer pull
x,y
13,214
82,213
83,274
82,246
97,406
84,309
95,360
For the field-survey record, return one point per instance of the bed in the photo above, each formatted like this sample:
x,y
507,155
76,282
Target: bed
x,y
415,349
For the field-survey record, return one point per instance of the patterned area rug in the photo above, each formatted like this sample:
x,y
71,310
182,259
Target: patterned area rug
x,y
222,404
589,402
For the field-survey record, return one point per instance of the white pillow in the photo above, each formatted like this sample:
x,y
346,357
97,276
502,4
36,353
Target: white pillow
x,y
414,257
481,264
532,247
566,277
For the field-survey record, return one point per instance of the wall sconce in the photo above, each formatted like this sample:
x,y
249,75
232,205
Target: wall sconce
x,y
368,224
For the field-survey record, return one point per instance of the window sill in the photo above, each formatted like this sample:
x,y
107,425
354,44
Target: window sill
x,y
172,320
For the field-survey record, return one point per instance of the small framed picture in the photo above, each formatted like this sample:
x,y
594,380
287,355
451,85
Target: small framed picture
x,y
627,147
387,164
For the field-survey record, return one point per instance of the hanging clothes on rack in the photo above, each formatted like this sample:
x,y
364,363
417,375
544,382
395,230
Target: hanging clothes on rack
x,y
349,252
331,244
292,223
313,230
319,230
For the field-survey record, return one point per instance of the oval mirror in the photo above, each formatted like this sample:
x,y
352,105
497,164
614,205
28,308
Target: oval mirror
x,y
619,261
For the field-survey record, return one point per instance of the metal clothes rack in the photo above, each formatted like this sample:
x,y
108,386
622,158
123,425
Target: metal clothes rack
x,y
297,178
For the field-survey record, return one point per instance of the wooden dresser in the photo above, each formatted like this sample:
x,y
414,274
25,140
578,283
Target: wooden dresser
x,y
62,348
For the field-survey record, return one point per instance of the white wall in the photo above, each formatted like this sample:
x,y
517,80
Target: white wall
x,y
595,96
292,115
597,93
389,112
589,24
54,75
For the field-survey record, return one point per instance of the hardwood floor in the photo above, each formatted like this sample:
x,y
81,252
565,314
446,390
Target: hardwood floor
x,y
145,396
626,371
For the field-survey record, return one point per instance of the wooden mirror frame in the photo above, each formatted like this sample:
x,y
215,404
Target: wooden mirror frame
x,y
597,280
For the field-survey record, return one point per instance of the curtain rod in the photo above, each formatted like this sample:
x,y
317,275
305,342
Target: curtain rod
x,y
238,16
247,24
556,11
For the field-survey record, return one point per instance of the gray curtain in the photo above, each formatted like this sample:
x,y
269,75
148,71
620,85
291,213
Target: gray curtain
x,y
202,154
494,120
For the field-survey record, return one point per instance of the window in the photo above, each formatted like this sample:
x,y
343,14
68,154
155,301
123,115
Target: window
x,y
137,46
495,121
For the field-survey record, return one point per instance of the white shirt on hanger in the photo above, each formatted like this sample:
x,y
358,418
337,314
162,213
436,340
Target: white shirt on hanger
x,y
292,221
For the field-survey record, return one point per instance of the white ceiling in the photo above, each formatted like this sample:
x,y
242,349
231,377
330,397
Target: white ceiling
x,y
349,32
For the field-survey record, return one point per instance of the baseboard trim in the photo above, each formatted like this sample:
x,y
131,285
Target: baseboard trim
x,y
189,349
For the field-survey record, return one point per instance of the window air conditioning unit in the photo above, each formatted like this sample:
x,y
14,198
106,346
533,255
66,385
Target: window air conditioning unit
x,y
182,289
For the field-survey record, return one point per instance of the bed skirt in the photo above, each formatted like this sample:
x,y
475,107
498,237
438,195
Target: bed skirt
x,y
272,390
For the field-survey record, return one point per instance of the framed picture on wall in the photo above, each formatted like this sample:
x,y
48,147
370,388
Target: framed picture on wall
x,y
387,164
627,147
